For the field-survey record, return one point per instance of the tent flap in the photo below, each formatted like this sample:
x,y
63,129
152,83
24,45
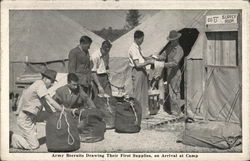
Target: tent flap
x,y
222,94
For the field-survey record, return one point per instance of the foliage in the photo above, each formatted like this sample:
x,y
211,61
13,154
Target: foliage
x,y
110,34
132,19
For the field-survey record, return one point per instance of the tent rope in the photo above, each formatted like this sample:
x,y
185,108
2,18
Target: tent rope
x,y
195,21
233,104
198,106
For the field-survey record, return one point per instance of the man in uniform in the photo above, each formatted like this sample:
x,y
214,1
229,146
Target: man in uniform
x,y
33,100
100,69
80,63
139,74
173,54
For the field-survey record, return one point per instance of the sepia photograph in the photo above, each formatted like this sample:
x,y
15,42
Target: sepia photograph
x,y
124,83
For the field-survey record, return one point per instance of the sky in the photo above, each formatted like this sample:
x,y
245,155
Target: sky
x,y
98,19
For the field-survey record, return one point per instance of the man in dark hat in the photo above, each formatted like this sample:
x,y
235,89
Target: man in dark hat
x,y
32,101
100,69
173,54
80,63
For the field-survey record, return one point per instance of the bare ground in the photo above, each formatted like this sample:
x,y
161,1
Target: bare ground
x,y
161,139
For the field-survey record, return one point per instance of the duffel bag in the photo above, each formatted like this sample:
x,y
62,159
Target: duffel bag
x,y
91,125
62,133
128,116
212,134
107,106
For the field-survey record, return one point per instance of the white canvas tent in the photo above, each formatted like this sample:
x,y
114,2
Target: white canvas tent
x,y
42,38
211,92
156,30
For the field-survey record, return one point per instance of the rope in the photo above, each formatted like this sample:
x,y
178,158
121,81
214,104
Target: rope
x,y
70,135
59,122
133,108
79,119
226,104
59,125
197,108
108,105
233,105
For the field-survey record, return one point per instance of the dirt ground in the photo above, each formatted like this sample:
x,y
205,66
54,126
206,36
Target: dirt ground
x,y
161,139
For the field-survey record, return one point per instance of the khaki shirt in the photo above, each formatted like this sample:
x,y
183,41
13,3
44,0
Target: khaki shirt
x,y
31,97
173,54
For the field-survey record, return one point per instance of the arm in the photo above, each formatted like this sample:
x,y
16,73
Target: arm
x,y
177,58
72,62
53,103
162,57
96,62
135,55
101,90
47,107
86,99
170,64
140,65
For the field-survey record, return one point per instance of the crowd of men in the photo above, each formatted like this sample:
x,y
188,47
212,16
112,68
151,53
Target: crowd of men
x,y
88,76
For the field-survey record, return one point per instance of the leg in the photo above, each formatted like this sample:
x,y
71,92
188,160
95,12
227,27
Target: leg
x,y
103,79
28,138
175,95
140,90
144,93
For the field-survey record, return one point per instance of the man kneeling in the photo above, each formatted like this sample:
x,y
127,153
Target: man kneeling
x,y
72,96
33,99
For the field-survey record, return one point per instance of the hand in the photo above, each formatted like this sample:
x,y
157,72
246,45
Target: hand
x,y
75,112
101,90
16,113
108,74
155,57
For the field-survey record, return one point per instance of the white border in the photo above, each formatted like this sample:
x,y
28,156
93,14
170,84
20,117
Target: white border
x,y
6,6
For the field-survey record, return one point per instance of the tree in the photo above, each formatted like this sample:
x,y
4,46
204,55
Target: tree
x,y
132,19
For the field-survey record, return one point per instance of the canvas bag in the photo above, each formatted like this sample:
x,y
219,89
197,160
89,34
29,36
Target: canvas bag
x,y
91,125
212,134
62,133
107,106
128,116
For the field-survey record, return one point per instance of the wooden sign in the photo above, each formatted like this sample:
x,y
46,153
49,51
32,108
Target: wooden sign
x,y
221,19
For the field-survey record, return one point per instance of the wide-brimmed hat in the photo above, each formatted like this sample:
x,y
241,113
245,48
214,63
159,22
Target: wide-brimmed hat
x,y
51,74
173,35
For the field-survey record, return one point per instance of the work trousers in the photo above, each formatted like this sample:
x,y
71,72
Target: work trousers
x,y
104,81
28,132
140,88
174,93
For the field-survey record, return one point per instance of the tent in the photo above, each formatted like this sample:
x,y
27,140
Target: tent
x,y
213,82
210,92
42,40
156,30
